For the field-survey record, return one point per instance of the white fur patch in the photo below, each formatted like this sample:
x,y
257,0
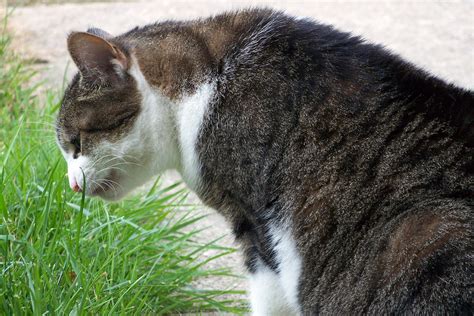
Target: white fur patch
x,y
75,169
155,128
266,294
289,264
190,117
274,293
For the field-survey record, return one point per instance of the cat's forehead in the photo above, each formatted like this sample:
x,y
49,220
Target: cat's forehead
x,y
96,108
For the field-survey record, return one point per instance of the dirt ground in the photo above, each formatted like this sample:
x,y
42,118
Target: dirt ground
x,y
436,35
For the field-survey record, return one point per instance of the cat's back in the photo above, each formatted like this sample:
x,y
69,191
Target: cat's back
x,y
373,155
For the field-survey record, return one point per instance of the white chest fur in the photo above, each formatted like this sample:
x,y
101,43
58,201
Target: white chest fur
x,y
173,127
190,117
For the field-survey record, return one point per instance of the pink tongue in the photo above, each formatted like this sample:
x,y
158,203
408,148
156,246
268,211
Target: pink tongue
x,y
74,186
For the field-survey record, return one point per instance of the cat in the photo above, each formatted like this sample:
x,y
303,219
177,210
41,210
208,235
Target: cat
x,y
345,172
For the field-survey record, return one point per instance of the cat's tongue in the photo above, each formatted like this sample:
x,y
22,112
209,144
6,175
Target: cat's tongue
x,y
73,184
76,188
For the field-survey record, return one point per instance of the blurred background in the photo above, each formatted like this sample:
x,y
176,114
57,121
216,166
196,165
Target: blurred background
x,y
436,35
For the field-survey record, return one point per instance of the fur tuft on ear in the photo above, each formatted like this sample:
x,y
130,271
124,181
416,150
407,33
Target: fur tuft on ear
x,y
96,57
99,32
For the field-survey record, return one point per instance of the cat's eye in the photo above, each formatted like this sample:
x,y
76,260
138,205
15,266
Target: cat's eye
x,y
76,142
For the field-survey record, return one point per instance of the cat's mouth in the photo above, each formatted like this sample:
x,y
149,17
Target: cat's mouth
x,y
108,187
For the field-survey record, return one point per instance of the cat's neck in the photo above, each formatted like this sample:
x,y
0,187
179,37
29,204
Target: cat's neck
x,y
190,117
177,77
171,126
157,124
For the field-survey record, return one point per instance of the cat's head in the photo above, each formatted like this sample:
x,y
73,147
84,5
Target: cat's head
x,y
103,127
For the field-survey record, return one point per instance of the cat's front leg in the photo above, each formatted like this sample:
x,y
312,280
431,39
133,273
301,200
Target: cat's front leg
x,y
267,294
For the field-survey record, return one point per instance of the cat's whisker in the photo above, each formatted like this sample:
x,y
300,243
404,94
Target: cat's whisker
x,y
130,160
111,168
113,183
99,185
133,161
126,163
94,182
102,158
122,162
110,184
130,157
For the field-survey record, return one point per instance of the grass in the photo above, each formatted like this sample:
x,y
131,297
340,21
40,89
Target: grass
x,y
62,253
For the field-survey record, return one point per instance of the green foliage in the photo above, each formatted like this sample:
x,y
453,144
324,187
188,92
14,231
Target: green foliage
x,y
63,253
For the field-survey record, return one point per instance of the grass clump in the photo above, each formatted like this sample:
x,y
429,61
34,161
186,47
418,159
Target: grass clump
x,y
62,253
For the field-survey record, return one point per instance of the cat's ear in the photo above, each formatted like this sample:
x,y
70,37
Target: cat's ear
x,y
96,57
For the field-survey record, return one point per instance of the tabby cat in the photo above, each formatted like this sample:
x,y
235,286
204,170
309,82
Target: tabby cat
x,y
345,172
